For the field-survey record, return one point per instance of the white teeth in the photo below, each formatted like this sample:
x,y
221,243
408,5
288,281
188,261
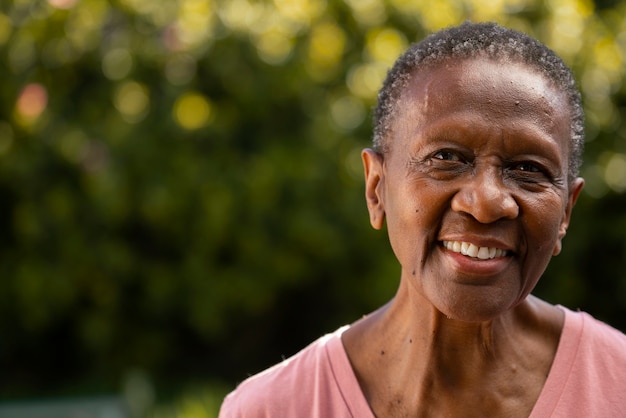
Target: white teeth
x,y
471,250
483,253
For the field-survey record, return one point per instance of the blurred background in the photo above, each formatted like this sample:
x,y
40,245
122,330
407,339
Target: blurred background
x,y
181,188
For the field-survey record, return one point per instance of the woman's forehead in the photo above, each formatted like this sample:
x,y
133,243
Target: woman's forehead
x,y
485,84
481,92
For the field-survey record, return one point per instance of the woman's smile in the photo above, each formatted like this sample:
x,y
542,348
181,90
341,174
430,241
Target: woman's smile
x,y
474,251
474,264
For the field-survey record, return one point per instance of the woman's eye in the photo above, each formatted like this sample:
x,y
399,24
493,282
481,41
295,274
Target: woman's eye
x,y
447,156
529,172
528,167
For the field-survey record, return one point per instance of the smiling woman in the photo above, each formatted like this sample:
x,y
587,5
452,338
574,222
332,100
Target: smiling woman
x,y
475,174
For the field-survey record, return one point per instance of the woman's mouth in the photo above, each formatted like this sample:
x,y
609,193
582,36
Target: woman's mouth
x,y
474,251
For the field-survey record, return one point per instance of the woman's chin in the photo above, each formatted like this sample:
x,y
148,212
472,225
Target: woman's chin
x,y
473,309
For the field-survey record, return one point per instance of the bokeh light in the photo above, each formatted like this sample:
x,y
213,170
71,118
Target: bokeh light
x,y
385,45
368,12
117,63
274,46
31,102
193,111
347,113
63,4
365,80
132,100
326,47
615,172
6,28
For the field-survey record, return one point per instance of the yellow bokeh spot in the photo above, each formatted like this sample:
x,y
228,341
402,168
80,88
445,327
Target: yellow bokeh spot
x,y
582,8
486,10
243,16
615,172
193,111
440,14
385,45
132,100
274,47
326,47
368,12
608,55
567,26
195,22
365,80
301,11
5,28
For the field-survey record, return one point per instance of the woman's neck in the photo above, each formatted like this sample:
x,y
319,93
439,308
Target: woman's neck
x,y
407,355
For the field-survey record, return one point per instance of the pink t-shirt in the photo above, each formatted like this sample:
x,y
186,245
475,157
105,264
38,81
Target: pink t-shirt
x,y
587,379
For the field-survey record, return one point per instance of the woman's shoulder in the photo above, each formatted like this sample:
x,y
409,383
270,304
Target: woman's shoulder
x,y
285,387
594,348
593,332
589,371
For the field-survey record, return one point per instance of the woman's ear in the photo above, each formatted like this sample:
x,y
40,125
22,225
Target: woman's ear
x,y
374,184
574,192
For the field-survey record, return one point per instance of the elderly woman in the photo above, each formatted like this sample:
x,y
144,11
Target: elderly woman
x,y
477,144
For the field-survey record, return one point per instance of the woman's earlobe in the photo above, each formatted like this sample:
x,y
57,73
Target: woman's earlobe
x,y
374,184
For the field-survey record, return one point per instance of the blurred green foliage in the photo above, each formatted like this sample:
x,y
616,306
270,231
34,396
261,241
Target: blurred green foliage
x,y
180,180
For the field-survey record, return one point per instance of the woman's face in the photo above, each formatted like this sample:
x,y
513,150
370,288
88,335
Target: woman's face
x,y
474,187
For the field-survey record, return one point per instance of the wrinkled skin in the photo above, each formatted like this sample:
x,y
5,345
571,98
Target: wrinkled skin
x,y
477,156
476,199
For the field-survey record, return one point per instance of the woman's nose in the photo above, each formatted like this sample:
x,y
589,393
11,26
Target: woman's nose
x,y
486,198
